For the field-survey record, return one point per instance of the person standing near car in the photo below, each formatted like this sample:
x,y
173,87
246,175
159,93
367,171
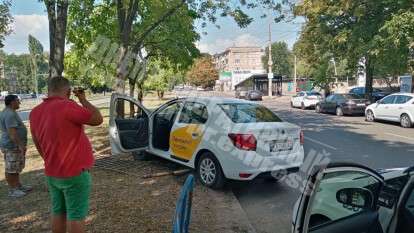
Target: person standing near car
x,y
57,127
13,144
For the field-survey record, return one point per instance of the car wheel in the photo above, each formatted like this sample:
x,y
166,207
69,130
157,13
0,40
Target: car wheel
x,y
370,116
318,108
302,106
209,171
406,121
339,111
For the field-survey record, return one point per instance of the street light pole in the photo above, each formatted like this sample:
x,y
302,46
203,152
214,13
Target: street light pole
x,y
270,62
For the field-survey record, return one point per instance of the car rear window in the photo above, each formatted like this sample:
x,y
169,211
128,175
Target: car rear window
x,y
313,94
249,113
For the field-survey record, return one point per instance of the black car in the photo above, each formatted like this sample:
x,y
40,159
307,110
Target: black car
x,y
342,104
254,95
377,94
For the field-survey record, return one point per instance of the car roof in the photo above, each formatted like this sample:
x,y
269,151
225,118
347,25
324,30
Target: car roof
x,y
403,93
216,100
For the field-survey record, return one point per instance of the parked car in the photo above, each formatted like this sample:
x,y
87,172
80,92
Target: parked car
x,y
396,107
347,197
211,135
342,104
377,94
254,95
241,94
305,99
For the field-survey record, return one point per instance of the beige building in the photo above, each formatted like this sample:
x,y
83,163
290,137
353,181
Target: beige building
x,y
236,64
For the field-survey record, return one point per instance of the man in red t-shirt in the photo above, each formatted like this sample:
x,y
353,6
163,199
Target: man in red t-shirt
x,y
57,131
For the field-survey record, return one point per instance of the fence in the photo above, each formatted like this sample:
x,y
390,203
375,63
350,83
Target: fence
x,y
183,209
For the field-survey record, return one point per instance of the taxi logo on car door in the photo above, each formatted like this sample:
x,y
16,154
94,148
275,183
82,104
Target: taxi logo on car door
x,y
185,140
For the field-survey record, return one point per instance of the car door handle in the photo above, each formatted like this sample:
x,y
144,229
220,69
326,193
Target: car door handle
x,y
194,135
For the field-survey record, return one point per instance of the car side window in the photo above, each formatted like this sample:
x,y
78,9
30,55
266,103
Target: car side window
x,y
402,99
169,113
388,100
330,98
410,203
194,113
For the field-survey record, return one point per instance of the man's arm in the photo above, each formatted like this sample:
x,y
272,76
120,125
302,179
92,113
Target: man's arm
x,y
96,118
14,137
37,145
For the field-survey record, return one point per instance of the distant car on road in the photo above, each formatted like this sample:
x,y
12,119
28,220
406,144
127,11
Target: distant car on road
x,y
342,104
306,99
254,95
377,94
241,94
397,107
348,197
210,134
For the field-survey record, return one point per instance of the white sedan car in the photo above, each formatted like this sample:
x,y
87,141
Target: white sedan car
x,y
305,99
220,138
397,107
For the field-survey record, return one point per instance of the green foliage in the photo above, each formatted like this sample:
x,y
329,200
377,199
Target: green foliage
x,y
5,20
282,59
159,76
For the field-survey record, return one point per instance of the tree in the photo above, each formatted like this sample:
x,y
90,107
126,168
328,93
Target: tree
x,y
348,30
57,11
281,59
203,73
36,52
158,77
5,20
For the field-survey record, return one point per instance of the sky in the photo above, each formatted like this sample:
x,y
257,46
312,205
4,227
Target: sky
x,y
30,18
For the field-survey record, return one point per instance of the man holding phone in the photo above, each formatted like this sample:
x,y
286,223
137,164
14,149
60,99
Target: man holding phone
x,y
57,127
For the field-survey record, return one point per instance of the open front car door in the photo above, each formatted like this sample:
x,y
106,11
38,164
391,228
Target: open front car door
x,y
339,198
128,125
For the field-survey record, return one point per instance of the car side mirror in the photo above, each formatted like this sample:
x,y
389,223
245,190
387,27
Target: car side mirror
x,y
355,197
378,102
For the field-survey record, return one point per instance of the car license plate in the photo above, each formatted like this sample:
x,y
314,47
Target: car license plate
x,y
276,146
360,104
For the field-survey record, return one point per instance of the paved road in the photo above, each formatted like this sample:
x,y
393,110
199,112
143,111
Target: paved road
x,y
24,115
269,206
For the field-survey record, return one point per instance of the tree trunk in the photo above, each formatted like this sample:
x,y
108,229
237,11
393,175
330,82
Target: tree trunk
x,y
131,87
369,69
57,12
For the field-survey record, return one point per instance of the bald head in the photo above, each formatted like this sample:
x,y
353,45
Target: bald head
x,y
59,86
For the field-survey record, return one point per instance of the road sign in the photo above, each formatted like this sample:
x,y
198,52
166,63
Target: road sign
x,y
270,75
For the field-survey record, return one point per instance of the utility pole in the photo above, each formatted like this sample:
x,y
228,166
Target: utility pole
x,y
270,63
295,77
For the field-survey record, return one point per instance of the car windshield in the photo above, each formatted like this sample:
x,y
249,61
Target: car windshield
x,y
352,96
248,113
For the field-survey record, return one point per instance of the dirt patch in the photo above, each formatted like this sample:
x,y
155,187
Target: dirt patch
x,y
121,201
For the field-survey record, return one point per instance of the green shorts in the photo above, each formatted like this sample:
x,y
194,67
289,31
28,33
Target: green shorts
x,y
70,196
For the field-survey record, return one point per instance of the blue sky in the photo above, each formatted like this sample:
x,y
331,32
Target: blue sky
x,y
30,18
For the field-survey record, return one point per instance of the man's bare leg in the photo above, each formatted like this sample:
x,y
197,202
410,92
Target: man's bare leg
x,y
76,226
13,179
59,223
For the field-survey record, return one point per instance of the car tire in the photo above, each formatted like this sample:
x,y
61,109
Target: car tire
x,y
318,109
302,106
339,111
405,121
369,116
209,171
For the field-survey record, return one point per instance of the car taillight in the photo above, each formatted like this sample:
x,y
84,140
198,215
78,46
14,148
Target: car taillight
x,y
244,141
302,138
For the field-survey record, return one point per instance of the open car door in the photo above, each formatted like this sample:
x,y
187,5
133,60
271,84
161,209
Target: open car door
x,y
339,198
403,218
128,125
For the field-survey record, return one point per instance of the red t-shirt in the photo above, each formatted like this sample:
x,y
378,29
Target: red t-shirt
x,y
57,124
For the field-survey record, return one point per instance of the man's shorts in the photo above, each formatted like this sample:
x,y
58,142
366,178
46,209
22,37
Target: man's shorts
x,y
70,196
14,160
